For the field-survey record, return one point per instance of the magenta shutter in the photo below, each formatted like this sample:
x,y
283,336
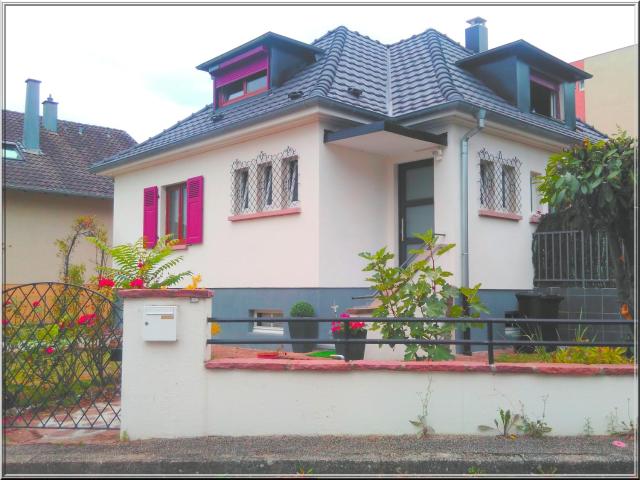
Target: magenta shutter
x,y
195,201
150,222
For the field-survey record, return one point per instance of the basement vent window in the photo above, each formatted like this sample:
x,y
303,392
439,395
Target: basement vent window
x,y
265,321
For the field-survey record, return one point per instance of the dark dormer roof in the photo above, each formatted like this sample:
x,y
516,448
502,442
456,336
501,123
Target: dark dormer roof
x,y
532,55
412,77
268,39
63,165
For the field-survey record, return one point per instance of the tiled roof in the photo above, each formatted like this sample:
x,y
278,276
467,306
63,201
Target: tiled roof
x,y
399,79
63,166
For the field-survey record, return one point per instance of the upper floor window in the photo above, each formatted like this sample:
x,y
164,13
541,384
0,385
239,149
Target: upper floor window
x,y
268,182
10,151
176,211
243,88
499,182
545,96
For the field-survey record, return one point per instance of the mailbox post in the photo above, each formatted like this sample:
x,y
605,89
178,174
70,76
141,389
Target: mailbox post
x,y
164,391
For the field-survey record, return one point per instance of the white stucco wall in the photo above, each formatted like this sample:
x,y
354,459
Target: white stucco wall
x,y
264,252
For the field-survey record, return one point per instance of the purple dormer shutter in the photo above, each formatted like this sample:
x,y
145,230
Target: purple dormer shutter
x,y
195,201
150,219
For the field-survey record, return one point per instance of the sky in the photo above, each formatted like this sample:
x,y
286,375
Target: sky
x,y
133,67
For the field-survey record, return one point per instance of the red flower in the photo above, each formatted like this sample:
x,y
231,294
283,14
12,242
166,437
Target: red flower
x,y
49,350
106,282
61,325
88,319
345,315
36,303
137,283
5,321
6,302
140,265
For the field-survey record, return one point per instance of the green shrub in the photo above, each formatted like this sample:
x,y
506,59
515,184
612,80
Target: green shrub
x,y
302,309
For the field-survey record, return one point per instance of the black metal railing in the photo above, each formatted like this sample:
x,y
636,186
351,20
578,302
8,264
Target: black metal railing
x,y
491,342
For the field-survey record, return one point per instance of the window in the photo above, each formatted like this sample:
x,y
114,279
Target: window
x,y
245,87
292,182
10,151
267,183
499,182
176,214
581,85
545,96
265,324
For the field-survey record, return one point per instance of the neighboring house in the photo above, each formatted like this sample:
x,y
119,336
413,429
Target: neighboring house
x,y
47,185
311,154
610,98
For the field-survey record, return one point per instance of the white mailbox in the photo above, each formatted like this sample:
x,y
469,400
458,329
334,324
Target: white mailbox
x,y
160,323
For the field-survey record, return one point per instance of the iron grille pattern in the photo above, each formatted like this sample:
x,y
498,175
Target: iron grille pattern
x,y
61,348
267,182
500,183
573,258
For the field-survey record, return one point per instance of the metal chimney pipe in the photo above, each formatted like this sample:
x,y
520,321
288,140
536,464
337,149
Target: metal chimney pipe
x,y
50,114
476,37
31,128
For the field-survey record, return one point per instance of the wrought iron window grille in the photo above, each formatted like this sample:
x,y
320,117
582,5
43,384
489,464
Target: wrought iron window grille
x,y
267,182
500,184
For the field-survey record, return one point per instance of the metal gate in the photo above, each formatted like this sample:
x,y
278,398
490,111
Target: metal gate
x,y
61,347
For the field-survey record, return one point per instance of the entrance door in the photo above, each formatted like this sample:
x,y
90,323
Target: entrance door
x,y
415,201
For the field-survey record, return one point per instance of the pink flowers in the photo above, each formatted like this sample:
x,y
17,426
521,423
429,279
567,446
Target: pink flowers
x,y
337,327
5,321
49,350
619,444
36,303
137,283
87,319
106,282
140,265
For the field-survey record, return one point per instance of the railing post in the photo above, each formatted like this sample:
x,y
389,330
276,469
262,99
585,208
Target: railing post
x,y
490,340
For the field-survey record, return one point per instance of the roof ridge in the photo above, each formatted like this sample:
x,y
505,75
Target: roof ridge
x,y
331,61
59,120
440,67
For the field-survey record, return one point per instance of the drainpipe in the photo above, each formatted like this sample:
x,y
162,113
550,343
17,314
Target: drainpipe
x,y
464,208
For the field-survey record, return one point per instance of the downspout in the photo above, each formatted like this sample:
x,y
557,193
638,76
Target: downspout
x,y
464,208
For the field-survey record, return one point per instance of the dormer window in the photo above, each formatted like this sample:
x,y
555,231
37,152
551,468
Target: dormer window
x,y
246,87
10,151
545,96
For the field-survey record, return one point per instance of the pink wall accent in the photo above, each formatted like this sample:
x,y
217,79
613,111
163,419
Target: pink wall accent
x,y
504,215
269,213
243,56
580,101
165,293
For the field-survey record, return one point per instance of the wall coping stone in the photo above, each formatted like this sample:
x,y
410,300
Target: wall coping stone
x,y
445,366
165,293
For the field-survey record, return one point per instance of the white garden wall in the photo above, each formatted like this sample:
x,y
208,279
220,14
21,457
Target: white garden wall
x,y
169,391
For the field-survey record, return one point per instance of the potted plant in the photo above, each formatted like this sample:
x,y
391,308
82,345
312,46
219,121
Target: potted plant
x,y
302,329
356,330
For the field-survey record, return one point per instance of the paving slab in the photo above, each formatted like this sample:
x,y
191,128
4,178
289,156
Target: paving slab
x,y
290,455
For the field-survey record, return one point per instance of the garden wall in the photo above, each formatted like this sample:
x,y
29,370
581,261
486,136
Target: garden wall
x,y
170,390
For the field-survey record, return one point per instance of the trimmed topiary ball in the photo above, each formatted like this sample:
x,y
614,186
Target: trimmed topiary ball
x,y
302,309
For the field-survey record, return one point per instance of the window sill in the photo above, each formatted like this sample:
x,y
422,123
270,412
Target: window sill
x,y
180,246
502,215
268,213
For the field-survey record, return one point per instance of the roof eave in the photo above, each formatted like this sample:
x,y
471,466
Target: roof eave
x,y
68,193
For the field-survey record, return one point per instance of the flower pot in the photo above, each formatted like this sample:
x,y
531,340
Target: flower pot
x,y
351,351
303,329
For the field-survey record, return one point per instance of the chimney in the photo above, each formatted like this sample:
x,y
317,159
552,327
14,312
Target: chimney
x,y
476,37
31,129
50,114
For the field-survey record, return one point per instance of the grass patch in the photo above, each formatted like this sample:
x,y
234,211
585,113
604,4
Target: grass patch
x,y
322,354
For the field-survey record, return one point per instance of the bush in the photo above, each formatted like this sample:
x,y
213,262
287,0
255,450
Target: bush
x,y
302,310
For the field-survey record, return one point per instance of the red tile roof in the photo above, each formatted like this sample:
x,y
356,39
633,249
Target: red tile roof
x,y
63,166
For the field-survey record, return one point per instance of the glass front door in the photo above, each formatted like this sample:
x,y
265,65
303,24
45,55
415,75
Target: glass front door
x,y
415,201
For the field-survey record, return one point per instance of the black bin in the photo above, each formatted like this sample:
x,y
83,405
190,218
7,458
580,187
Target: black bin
x,y
538,305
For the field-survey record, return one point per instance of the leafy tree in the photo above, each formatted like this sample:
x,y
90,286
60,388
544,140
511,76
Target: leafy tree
x,y
419,290
592,187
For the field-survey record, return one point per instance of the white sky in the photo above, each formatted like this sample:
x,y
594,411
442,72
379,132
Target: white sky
x,y
133,67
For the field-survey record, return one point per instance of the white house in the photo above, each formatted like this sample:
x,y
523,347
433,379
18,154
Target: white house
x,y
310,154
